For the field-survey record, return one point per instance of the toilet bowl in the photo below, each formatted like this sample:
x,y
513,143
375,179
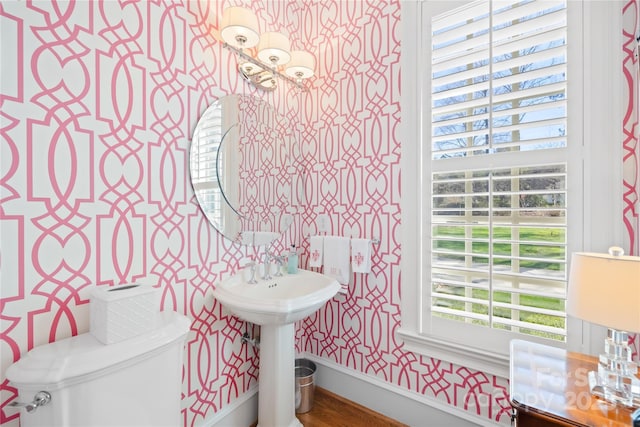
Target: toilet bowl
x,y
135,382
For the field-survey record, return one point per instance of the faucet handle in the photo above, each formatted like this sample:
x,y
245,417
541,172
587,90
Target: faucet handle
x,y
267,264
279,261
252,266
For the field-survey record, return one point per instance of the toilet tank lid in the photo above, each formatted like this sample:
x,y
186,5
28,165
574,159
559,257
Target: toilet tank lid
x,y
69,360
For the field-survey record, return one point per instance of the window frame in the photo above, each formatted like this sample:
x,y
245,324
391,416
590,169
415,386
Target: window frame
x,y
592,228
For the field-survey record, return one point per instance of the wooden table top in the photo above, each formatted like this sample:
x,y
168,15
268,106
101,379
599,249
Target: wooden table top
x,y
554,383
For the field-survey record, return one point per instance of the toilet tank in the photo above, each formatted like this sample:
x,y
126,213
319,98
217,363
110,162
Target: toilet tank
x,y
135,382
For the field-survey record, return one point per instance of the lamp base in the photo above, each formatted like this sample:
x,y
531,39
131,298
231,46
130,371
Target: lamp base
x,y
611,394
616,379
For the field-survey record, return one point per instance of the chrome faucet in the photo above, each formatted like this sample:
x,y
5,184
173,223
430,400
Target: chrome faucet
x,y
268,258
267,265
252,266
279,260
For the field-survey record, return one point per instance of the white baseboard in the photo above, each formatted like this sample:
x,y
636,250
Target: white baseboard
x,y
392,401
242,412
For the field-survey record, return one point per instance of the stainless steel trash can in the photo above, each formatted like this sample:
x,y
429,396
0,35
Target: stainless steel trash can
x,y
305,385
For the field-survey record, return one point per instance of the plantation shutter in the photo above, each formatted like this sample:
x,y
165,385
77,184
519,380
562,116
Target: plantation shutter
x,y
499,168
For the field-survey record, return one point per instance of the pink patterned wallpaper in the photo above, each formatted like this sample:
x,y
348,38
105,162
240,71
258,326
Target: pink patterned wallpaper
x,y
98,101
631,148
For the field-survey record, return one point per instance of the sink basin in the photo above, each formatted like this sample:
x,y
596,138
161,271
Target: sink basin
x,y
277,301
276,304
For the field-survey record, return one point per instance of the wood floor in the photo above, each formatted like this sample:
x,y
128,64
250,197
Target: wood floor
x,y
331,410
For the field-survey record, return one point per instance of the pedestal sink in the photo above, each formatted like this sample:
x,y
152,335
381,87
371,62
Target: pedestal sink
x,y
276,304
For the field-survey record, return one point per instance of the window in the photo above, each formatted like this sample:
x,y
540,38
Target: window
x,y
508,179
498,235
498,248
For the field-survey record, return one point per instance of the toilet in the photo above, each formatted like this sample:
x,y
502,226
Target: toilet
x,y
135,382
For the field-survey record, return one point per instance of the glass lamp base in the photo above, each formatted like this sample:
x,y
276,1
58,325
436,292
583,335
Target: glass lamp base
x,y
616,380
612,394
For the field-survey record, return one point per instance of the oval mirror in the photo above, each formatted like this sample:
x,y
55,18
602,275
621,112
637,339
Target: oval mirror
x,y
246,169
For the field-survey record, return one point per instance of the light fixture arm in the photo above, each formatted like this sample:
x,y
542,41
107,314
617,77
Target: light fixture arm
x,y
261,65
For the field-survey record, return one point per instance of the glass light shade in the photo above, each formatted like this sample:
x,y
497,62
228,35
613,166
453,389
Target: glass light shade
x,y
260,77
267,81
302,65
239,27
274,48
250,69
605,289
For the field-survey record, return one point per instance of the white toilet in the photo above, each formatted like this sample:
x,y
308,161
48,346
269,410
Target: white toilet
x,y
135,382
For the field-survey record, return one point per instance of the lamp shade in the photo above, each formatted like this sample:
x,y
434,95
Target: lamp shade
x,y
605,289
239,27
274,48
301,65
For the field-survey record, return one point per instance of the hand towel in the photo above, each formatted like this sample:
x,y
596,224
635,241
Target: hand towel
x,y
315,251
361,255
336,258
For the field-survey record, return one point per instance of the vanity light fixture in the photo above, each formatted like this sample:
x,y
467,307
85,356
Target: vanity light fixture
x,y
301,65
274,48
239,27
239,31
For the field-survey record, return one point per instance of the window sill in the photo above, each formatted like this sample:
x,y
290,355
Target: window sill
x,y
459,354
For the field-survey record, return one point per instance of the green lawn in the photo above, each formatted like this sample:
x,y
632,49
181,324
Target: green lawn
x,y
535,242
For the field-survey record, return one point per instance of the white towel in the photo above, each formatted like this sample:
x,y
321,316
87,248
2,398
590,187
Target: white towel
x,y
361,255
336,258
315,251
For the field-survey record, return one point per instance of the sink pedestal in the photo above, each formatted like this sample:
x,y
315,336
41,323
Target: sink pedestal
x,y
276,305
276,381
